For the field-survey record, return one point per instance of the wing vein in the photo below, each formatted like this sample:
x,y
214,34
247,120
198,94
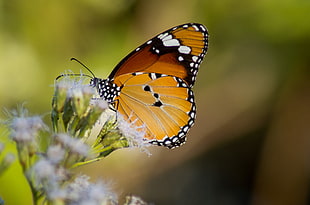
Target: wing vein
x,y
153,114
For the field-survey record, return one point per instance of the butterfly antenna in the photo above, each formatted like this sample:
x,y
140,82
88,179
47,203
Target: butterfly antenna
x,y
73,74
74,59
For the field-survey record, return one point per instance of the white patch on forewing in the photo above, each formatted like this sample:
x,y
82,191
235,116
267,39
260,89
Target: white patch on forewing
x,y
202,27
195,27
184,49
171,42
163,35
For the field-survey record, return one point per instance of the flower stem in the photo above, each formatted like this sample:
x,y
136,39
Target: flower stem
x,y
86,162
25,162
35,195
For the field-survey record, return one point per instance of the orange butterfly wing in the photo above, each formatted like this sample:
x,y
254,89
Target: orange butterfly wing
x,y
177,52
162,104
151,87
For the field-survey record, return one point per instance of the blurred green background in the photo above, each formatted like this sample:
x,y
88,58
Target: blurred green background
x,y
251,140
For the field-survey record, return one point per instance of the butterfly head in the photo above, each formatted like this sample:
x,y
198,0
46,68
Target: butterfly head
x,y
94,82
105,88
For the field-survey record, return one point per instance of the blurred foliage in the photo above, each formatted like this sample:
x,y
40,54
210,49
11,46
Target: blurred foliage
x,y
13,179
257,64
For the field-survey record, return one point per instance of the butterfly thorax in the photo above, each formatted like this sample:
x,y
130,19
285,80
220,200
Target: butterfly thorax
x,y
106,88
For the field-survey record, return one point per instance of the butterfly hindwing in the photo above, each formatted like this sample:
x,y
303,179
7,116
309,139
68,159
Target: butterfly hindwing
x,y
163,105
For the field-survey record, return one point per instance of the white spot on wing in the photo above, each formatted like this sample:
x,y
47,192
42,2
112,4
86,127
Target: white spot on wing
x,y
171,42
181,134
185,128
153,76
192,115
163,35
195,27
195,58
139,73
202,27
167,37
184,49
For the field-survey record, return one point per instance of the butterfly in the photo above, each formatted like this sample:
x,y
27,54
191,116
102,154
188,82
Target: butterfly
x,y
152,85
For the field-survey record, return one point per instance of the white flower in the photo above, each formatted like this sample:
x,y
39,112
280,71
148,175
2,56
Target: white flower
x,y
25,129
55,153
134,135
63,138
81,192
55,193
75,92
37,123
75,145
73,87
77,187
101,104
43,170
77,89
65,83
62,174
134,200
88,90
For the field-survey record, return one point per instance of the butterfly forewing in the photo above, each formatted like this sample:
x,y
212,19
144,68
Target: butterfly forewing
x,y
177,52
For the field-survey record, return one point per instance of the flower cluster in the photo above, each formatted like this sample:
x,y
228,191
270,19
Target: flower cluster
x,y
7,160
62,188
47,156
76,111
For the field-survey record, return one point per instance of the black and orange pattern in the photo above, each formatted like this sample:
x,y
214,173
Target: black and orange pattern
x,y
151,87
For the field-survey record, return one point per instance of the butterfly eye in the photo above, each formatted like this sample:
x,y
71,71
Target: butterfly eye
x,y
92,82
96,82
151,87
